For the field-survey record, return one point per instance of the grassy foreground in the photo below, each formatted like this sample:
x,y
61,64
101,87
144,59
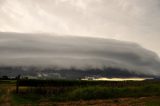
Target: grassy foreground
x,y
147,94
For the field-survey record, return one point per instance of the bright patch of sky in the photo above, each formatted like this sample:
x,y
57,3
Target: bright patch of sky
x,y
130,20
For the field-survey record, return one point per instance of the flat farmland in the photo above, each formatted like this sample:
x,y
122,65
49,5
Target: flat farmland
x,y
79,93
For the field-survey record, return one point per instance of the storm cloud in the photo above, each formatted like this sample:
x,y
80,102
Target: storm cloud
x,y
18,49
130,20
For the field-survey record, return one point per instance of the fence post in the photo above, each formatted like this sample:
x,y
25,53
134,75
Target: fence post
x,y
17,84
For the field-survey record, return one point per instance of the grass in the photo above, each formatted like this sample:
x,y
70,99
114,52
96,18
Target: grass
x,y
98,92
1,91
153,103
25,99
34,95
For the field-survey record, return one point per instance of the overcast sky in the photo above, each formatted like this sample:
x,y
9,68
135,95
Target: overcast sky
x,y
130,20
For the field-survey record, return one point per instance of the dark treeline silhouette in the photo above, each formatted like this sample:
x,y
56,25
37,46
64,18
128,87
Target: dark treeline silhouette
x,y
68,73
81,83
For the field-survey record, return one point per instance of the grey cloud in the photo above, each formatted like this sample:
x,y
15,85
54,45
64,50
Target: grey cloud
x,y
130,20
39,50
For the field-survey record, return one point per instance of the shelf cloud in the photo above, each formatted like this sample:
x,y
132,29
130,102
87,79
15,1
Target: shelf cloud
x,y
18,49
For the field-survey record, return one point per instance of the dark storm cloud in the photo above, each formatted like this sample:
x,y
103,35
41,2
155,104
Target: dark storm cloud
x,y
80,52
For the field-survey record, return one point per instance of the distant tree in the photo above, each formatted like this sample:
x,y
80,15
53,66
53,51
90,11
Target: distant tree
x,y
5,77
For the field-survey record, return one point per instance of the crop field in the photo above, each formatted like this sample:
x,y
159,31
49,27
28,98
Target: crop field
x,y
79,93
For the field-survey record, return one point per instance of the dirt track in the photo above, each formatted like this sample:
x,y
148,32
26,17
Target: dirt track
x,y
6,100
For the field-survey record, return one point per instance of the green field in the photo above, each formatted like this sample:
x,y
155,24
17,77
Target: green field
x,y
75,93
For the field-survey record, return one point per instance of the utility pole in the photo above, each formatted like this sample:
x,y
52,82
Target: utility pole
x,y
17,84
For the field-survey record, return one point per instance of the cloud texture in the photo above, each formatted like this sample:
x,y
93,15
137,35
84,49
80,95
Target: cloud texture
x,y
81,52
131,20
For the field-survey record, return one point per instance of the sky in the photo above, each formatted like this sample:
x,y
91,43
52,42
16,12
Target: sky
x,y
127,20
